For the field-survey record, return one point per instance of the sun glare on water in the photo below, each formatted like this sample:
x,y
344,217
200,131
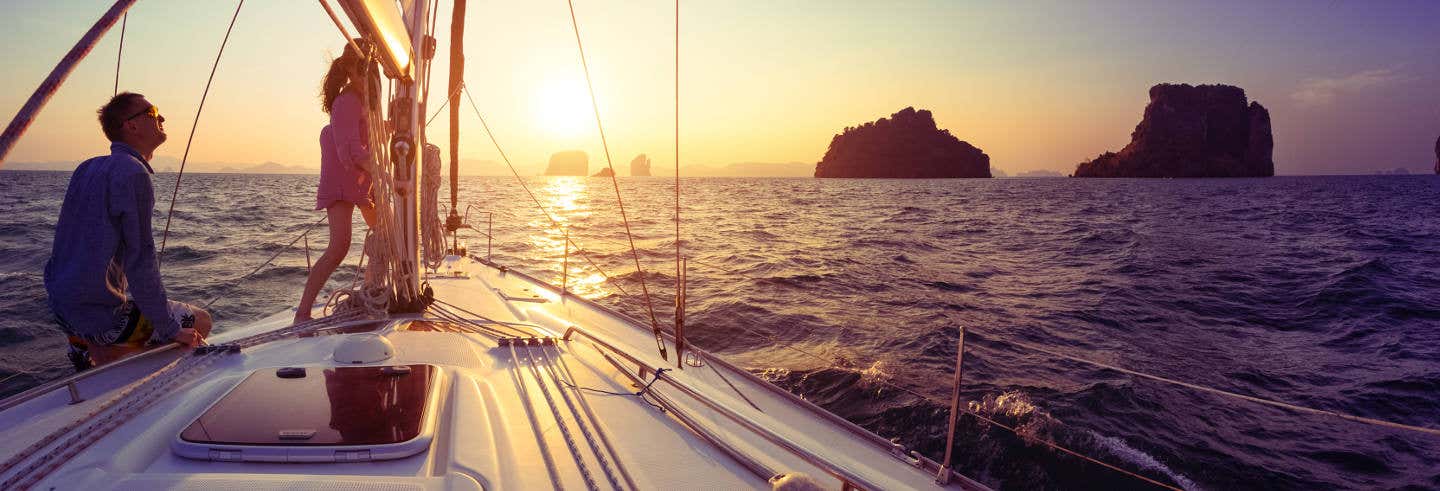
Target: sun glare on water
x,y
561,107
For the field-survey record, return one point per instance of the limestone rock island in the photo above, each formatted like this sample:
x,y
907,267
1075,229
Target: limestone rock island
x,y
640,167
568,163
1193,131
606,172
905,145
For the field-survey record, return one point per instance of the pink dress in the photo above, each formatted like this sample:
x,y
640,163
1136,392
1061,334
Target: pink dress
x,y
344,155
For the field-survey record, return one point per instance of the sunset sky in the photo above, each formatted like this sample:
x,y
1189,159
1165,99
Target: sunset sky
x,y
1352,87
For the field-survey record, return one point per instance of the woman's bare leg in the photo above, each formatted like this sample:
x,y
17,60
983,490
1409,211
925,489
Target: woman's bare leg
x,y
339,217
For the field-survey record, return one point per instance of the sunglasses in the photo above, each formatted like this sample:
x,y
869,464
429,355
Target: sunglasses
x,y
152,111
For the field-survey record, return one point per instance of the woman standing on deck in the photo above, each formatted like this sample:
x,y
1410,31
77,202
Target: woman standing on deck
x,y
344,164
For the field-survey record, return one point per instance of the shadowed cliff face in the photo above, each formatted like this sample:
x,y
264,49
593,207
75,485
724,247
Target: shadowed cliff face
x,y
1193,131
905,145
640,166
568,163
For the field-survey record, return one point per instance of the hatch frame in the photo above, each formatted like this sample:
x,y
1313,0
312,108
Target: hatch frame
x,y
317,453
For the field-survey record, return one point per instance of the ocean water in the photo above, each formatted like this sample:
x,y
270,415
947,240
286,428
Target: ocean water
x,y
1318,291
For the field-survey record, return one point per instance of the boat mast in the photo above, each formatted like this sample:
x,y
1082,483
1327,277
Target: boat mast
x,y
399,30
453,223
406,146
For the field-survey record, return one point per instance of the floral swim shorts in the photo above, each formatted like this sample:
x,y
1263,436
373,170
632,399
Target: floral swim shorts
x,y
132,327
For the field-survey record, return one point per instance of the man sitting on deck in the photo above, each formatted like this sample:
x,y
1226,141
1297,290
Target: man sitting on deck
x,y
103,243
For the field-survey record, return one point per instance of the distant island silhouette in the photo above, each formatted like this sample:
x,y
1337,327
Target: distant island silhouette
x,y
568,163
905,145
640,166
606,172
1193,131
1437,155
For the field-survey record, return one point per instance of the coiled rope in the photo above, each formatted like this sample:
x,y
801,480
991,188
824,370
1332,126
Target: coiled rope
x,y
432,233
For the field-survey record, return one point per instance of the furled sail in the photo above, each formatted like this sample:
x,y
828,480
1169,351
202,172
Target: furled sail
x,y
383,21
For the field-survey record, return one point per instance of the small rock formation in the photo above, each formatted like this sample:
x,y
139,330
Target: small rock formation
x,y
606,172
640,167
1437,155
568,163
906,145
1193,131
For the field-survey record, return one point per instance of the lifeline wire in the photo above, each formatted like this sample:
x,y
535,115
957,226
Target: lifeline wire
x,y
228,286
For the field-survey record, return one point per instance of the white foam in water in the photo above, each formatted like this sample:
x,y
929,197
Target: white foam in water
x,y
1118,447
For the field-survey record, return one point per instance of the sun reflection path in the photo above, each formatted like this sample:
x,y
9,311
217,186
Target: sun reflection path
x,y
565,197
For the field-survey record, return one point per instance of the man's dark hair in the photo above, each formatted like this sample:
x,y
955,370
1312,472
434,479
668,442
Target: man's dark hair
x,y
113,113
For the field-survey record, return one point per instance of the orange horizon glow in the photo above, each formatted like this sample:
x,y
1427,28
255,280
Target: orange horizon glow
x,y
1038,87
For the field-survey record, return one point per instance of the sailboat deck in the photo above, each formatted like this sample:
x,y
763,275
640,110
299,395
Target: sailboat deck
x,y
512,413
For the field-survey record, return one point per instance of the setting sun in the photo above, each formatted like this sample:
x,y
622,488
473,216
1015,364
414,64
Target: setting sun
x,y
561,107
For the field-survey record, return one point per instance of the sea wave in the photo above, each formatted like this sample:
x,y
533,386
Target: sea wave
x,y
1323,291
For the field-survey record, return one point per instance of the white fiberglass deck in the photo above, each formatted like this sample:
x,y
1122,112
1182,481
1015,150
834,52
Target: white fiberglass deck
x,y
505,417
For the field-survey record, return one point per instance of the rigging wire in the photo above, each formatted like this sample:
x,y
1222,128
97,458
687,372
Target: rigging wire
x,y
679,271
521,180
119,53
165,236
595,105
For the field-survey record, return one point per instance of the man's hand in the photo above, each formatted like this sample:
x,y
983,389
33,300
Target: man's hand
x,y
189,337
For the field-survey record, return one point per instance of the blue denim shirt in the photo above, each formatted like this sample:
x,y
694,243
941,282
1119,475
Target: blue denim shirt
x,y
103,242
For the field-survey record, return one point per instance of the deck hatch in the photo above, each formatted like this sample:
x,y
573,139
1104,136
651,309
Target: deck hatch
x,y
382,410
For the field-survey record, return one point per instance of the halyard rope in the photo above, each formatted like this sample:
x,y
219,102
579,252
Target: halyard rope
x,y
599,429
559,421
518,376
549,369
